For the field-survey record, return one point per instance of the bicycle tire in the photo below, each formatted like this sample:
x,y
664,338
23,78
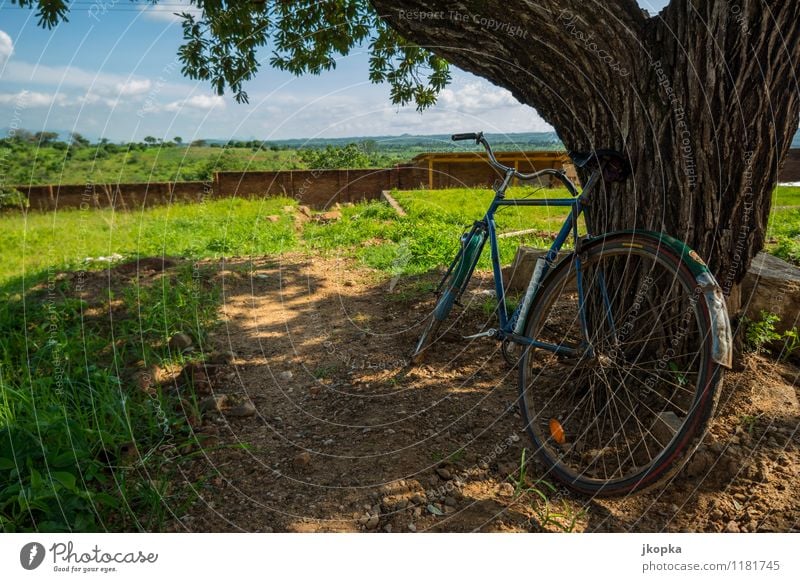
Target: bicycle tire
x,y
566,404
451,290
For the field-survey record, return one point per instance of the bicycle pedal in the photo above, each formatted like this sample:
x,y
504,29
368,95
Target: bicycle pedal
x,y
488,333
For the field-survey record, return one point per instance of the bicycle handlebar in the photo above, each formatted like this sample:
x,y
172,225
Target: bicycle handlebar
x,y
480,139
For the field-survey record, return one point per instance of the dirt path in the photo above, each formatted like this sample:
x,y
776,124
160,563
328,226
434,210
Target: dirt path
x,y
341,441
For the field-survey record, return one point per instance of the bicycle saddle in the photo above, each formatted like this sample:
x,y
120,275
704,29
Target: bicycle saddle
x,y
615,166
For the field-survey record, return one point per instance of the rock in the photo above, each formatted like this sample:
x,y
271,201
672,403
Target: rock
x,y
372,522
388,528
244,409
506,490
302,460
732,527
450,501
517,276
304,210
666,426
412,527
444,473
180,342
273,218
331,216
216,403
221,358
772,285
197,376
700,463
285,376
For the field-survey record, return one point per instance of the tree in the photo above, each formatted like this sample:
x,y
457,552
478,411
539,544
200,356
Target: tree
x,y
703,97
150,140
178,140
44,138
77,140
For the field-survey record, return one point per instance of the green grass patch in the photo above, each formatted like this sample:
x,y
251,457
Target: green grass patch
x,y
219,228
783,231
427,237
82,447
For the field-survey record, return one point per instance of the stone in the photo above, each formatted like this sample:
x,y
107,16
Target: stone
x,y
180,342
517,276
666,426
302,460
732,527
372,522
273,218
444,473
331,216
216,403
412,527
772,285
244,409
221,358
285,376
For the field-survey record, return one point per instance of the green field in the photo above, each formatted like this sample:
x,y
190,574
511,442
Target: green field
x,y
71,239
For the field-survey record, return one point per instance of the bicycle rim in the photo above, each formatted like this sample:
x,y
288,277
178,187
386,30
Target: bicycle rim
x,y
620,419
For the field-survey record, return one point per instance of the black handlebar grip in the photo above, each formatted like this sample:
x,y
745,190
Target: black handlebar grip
x,y
463,136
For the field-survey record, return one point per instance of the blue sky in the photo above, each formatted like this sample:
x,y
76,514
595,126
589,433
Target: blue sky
x,y
111,71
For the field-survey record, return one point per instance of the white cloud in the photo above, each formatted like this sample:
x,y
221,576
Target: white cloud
x,y
169,12
133,87
476,97
6,48
203,102
25,99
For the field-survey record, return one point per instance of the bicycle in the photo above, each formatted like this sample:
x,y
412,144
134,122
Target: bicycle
x,y
623,340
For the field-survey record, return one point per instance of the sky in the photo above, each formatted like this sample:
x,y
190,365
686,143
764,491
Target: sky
x,y
112,72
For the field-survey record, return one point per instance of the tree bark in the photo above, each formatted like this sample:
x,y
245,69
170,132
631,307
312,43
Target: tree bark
x,y
703,99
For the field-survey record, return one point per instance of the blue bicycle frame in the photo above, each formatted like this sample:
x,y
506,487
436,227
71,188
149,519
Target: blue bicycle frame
x,y
511,326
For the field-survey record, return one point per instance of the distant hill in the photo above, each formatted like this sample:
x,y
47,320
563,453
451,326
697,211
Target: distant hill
x,y
522,141
508,141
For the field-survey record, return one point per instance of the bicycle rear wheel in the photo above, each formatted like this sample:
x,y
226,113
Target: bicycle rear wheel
x,y
623,413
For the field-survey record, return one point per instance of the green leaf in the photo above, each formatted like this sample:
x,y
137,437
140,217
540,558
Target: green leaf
x,y
66,479
6,464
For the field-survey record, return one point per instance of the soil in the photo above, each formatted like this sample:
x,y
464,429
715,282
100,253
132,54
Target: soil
x,y
343,435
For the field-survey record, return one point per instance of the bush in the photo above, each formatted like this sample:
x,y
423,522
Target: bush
x,y
11,197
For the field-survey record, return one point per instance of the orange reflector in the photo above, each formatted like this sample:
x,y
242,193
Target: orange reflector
x,y
557,431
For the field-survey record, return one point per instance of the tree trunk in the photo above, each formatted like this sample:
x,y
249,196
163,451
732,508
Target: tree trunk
x,y
702,98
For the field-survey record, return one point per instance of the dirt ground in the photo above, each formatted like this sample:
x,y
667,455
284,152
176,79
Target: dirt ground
x,y
339,438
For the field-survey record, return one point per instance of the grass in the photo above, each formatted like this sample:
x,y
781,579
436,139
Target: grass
x,y
65,239
81,447
427,238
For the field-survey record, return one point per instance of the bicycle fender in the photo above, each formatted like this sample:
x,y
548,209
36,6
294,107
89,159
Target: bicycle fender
x,y
722,340
468,256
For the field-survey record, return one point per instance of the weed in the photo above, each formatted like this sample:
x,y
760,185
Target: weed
x,y
80,445
539,494
760,333
791,344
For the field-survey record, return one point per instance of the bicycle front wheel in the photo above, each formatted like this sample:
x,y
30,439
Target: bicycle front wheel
x,y
624,411
450,290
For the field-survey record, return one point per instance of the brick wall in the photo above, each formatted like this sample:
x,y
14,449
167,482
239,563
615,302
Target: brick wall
x,y
316,188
